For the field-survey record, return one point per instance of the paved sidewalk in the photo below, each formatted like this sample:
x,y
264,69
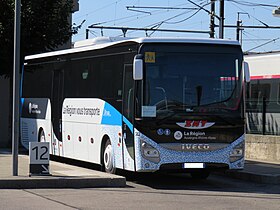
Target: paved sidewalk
x,y
62,176
68,176
258,171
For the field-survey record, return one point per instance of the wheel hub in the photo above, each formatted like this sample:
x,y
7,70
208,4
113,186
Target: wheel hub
x,y
108,158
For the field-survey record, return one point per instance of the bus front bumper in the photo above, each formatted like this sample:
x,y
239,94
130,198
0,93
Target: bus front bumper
x,y
151,156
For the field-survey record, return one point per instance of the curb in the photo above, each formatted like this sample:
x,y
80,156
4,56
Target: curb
x,y
61,182
253,177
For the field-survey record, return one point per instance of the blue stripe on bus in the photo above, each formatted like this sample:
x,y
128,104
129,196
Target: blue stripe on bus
x,y
21,105
111,116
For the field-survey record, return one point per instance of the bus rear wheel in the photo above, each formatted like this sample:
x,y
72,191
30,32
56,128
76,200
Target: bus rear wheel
x,y
42,137
108,159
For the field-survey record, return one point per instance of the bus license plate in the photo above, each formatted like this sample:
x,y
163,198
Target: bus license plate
x,y
193,165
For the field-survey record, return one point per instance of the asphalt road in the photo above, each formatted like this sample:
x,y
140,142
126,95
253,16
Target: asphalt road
x,y
153,191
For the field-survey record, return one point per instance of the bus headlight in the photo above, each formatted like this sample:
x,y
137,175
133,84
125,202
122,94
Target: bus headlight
x,y
237,152
149,152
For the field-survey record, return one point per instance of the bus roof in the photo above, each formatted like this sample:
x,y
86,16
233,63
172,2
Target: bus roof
x,y
263,55
103,42
264,65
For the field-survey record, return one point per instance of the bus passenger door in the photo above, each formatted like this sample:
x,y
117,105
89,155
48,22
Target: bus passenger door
x,y
127,122
56,111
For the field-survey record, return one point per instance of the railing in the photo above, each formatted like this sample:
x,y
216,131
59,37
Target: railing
x,y
263,117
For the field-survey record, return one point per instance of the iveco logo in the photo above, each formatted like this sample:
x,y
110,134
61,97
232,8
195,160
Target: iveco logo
x,y
195,124
195,147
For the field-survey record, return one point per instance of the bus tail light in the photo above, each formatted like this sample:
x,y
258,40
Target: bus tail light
x,y
237,152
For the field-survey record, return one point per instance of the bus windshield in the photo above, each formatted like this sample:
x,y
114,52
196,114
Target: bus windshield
x,y
189,80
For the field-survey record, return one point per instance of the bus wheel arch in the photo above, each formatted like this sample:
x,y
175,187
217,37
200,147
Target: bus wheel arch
x,y
107,158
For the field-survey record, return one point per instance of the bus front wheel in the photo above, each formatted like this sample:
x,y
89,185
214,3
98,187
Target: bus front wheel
x,y
108,159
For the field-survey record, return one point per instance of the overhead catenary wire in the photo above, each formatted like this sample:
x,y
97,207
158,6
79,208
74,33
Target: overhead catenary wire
x,y
98,9
168,19
234,1
202,8
273,40
260,21
122,18
158,24
246,34
180,16
165,8
133,17
125,29
247,3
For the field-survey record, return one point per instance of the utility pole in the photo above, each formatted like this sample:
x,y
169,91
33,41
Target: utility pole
x,y
222,18
212,19
87,32
238,24
16,83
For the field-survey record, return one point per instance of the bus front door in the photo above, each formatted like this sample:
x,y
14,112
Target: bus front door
x,y
56,107
127,122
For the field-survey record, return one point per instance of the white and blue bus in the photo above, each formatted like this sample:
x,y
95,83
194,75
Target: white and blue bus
x,y
143,104
263,94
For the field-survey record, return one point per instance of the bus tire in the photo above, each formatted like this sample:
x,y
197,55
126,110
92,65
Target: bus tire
x,y
41,137
198,175
108,159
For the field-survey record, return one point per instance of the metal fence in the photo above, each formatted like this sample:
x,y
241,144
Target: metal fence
x,y
263,117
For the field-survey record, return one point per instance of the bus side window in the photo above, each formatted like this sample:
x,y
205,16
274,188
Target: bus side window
x,y
258,92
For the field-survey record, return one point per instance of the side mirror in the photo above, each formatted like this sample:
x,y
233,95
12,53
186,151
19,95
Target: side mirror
x,y
138,67
246,72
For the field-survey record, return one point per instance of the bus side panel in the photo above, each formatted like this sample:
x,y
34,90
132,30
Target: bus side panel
x,y
128,161
30,131
57,148
67,139
80,141
80,119
264,87
112,127
128,145
272,123
85,123
35,116
93,143
114,134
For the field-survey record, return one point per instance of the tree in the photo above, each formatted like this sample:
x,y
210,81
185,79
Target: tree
x,y
44,26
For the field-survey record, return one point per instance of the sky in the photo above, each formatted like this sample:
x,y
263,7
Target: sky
x,y
181,15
